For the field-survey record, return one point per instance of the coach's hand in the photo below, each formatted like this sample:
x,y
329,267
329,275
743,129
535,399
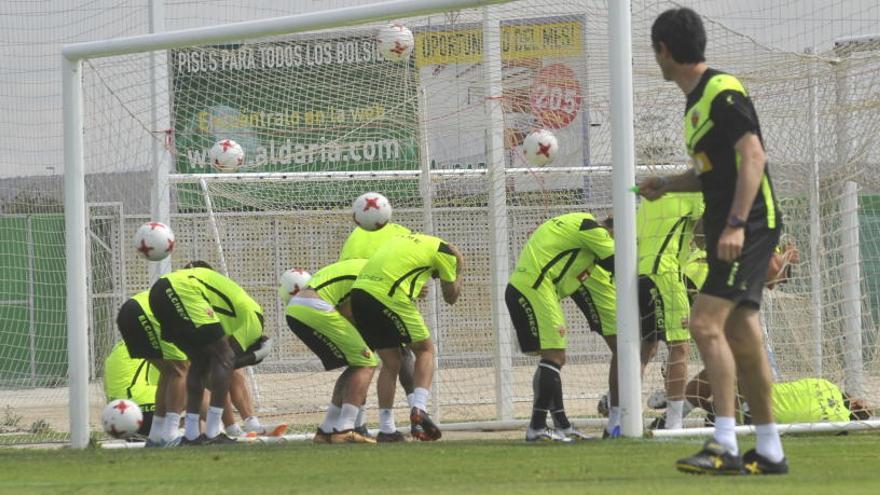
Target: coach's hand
x,y
653,187
730,244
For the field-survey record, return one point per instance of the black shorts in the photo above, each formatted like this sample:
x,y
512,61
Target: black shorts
x,y
137,332
330,355
741,282
651,305
584,302
525,322
380,327
177,327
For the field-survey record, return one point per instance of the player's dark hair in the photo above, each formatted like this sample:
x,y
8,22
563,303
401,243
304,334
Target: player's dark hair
x,y
198,264
681,30
608,223
857,409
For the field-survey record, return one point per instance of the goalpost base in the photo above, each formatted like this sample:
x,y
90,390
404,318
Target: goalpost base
x,y
873,424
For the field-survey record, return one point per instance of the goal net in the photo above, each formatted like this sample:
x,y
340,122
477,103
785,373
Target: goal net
x,y
323,117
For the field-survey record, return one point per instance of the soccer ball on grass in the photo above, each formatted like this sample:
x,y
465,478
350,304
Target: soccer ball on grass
x,y
122,418
371,211
540,147
226,155
154,241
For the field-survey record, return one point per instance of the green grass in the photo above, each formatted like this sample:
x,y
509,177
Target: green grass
x,y
828,465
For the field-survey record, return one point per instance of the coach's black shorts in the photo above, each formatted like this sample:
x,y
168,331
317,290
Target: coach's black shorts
x,y
177,327
380,327
741,282
137,332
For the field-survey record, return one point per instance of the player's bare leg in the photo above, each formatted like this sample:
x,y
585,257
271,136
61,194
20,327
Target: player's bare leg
x,y
676,380
240,393
613,394
173,393
334,409
354,395
746,341
215,364
706,325
407,369
423,373
386,385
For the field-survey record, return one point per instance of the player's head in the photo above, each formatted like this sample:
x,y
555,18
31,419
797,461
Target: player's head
x,y
678,37
858,408
198,264
608,223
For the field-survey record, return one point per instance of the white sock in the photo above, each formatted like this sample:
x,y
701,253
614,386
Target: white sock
x,y
769,444
190,425
347,417
386,421
673,414
234,430
613,419
157,428
409,400
172,425
361,419
252,423
330,419
420,398
214,421
686,409
725,434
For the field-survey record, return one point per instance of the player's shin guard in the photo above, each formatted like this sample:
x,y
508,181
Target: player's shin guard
x,y
547,386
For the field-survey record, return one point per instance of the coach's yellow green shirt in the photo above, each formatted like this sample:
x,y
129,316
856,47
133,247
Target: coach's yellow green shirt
x,y
401,266
362,244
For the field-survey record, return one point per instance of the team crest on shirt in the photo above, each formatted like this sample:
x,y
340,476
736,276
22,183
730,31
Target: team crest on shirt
x,y
209,311
366,353
561,331
695,118
702,164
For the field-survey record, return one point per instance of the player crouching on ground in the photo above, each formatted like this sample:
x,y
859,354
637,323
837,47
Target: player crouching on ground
x,y
133,379
219,327
319,313
385,313
562,248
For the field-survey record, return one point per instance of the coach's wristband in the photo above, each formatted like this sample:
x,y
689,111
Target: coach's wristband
x,y
735,222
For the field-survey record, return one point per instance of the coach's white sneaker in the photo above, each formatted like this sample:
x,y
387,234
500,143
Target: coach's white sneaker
x,y
547,435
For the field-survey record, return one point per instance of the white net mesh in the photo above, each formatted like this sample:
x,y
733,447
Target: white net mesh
x,y
324,101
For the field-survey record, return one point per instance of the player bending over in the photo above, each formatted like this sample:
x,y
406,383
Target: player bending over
x,y
219,327
385,313
143,338
319,315
596,297
562,249
134,379
665,228
363,244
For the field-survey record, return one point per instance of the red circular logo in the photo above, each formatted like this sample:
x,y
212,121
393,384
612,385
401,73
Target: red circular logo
x,y
555,96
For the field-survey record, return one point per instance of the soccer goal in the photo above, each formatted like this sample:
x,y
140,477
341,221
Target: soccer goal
x,y
324,117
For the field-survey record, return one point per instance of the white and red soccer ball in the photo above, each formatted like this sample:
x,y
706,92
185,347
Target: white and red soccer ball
x,y
226,155
395,42
540,147
154,241
371,211
122,418
291,282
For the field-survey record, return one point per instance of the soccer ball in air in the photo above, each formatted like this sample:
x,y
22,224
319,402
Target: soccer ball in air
x,y
226,155
122,418
395,42
371,211
291,282
540,147
154,241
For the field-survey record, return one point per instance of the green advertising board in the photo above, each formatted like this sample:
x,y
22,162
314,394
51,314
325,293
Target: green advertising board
x,y
328,103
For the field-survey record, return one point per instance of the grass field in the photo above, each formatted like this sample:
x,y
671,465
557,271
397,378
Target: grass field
x,y
819,464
